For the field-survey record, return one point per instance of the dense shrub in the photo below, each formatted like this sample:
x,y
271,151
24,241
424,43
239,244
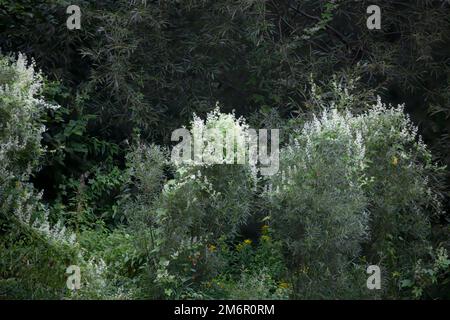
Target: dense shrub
x,y
354,190
403,192
210,197
318,203
29,242
202,203
21,109
35,251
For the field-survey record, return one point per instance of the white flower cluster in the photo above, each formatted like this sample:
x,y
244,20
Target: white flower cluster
x,y
333,132
340,169
21,107
220,131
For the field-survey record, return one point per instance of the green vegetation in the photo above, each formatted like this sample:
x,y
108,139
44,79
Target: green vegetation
x,y
86,176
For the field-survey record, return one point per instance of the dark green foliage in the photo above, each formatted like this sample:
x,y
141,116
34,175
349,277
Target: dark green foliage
x,y
148,228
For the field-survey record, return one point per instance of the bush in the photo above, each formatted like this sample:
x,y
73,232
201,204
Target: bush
x,y
403,192
202,203
30,244
354,190
20,112
213,197
35,252
317,200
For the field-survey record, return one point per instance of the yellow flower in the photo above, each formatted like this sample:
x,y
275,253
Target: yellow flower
x,y
394,161
304,269
212,248
248,241
283,285
265,229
